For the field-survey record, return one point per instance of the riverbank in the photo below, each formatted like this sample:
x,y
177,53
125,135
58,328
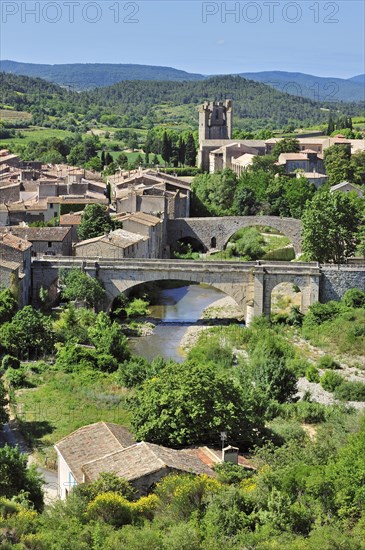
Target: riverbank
x,y
221,310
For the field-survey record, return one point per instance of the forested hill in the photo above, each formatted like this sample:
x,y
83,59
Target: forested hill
x,y
147,102
87,76
313,87
83,76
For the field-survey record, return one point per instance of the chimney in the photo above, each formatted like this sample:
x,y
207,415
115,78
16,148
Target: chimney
x,y
230,454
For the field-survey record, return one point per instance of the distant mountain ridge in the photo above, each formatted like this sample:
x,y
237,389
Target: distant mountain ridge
x,y
316,88
84,76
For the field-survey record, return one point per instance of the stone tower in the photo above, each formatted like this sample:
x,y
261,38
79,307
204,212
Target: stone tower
x,y
215,120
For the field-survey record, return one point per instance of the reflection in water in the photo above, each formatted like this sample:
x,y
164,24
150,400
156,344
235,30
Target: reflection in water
x,y
178,308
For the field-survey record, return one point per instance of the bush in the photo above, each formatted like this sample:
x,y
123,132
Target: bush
x,y
231,474
330,381
111,508
350,391
354,298
9,362
15,377
106,362
319,313
312,374
327,362
72,356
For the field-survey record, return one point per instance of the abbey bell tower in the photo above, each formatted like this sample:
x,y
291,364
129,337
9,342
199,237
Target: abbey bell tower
x,y
215,120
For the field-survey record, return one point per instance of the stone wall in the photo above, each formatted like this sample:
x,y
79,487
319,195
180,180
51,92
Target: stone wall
x,y
334,281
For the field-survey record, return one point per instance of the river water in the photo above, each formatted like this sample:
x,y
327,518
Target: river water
x,y
178,309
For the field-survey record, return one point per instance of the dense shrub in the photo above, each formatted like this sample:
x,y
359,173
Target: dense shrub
x,y
73,356
10,362
330,380
312,374
111,508
350,391
354,298
15,377
327,362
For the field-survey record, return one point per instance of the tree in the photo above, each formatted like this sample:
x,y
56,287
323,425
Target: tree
x,y
216,191
182,151
4,417
77,285
108,159
95,221
357,165
331,224
245,201
166,148
298,192
15,477
122,160
337,160
29,333
286,145
188,404
8,305
190,151
108,337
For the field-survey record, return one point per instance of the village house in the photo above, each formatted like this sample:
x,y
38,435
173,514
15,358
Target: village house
x,y
116,245
46,241
106,447
152,192
148,226
17,250
73,220
347,187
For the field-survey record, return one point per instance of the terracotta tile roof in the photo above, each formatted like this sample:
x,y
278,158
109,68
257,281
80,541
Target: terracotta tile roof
x,y
92,442
142,459
14,242
71,219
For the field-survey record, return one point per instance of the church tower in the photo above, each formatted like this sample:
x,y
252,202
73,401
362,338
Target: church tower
x,y
215,120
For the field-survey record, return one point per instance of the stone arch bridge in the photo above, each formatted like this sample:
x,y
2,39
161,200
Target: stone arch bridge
x,y
216,232
250,284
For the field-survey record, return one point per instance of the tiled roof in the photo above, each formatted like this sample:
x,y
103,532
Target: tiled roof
x,y
92,442
140,217
56,234
142,459
119,238
71,219
14,242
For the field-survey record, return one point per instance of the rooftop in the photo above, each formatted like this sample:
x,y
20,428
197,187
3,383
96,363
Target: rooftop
x,y
139,217
142,459
92,442
12,241
119,238
40,233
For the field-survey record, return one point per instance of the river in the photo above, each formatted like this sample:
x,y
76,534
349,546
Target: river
x,y
178,309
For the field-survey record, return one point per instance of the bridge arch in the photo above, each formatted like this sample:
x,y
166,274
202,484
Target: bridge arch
x,y
219,230
239,293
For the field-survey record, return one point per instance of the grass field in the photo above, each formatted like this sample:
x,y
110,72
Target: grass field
x,y
34,133
58,403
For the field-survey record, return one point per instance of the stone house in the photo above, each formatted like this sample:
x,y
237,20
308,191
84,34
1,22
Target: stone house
x,y
46,241
106,447
347,187
73,220
116,245
307,160
148,226
18,250
11,277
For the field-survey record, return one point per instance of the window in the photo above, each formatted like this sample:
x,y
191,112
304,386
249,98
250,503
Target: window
x,y
49,244
51,204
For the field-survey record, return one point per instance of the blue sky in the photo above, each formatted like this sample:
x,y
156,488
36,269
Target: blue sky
x,y
317,37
